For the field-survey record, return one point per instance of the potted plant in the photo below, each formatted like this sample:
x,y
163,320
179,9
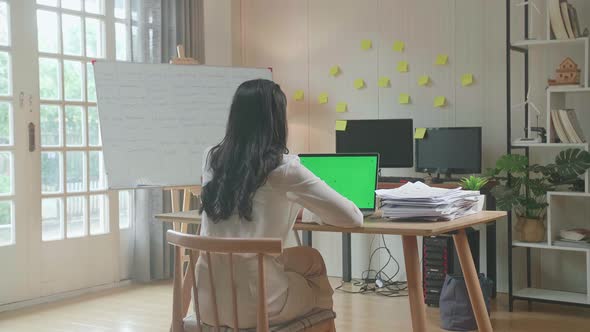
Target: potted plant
x,y
473,182
523,188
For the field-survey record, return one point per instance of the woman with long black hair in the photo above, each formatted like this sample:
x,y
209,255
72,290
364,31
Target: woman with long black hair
x,y
252,188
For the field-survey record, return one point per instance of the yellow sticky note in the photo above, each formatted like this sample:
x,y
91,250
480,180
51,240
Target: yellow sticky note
x,y
335,70
383,82
403,98
399,46
423,80
323,98
402,66
366,44
442,59
341,107
341,125
467,79
420,133
440,101
298,95
359,83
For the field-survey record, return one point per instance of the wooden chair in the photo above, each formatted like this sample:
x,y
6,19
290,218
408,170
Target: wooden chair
x,y
319,321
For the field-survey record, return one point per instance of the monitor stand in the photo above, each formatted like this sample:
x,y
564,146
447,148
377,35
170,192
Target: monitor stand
x,y
447,178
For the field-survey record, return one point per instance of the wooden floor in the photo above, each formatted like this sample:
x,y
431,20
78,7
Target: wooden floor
x,y
147,308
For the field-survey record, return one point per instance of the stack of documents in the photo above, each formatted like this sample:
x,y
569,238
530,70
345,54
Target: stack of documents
x,y
419,201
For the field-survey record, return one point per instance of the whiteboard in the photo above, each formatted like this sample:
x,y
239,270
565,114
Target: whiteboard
x,y
157,119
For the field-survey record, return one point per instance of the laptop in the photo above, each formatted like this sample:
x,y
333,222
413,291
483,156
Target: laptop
x,y
352,175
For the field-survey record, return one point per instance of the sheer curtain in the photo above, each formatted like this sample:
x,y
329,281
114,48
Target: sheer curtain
x,y
157,26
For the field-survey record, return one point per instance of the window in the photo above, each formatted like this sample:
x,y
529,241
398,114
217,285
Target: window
x,y
71,33
125,208
122,28
6,130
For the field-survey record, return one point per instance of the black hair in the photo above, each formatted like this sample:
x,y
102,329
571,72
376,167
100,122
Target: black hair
x,y
254,143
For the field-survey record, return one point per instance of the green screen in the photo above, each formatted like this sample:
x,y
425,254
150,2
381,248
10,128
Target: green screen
x,y
353,177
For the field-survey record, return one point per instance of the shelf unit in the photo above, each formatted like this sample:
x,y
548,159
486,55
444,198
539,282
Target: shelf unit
x,y
556,99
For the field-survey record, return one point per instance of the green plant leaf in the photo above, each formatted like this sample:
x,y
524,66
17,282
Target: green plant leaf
x,y
513,163
572,162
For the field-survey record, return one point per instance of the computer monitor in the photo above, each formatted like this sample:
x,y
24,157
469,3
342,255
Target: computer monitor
x,y
354,176
449,150
391,138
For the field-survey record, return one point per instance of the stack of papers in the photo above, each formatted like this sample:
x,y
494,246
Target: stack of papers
x,y
419,201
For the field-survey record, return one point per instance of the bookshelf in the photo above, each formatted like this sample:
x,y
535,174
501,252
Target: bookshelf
x,y
566,209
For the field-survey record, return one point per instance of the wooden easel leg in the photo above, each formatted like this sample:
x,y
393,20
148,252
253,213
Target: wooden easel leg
x,y
414,274
472,281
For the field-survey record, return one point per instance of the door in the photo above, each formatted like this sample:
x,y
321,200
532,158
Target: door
x,y
59,225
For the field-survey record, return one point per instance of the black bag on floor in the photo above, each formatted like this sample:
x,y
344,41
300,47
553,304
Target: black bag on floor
x,y
455,308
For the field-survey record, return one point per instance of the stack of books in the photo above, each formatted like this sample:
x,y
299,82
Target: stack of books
x,y
564,20
566,127
420,201
573,238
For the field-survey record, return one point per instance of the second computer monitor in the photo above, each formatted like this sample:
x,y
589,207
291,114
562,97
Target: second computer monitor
x,y
391,138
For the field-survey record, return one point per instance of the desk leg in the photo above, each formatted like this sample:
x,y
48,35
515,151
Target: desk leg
x,y
346,258
414,275
306,238
472,281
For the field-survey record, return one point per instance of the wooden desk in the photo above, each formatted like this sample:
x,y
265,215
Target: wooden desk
x,y
409,230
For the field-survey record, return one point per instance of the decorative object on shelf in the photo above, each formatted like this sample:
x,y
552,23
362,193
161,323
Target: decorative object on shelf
x,y
530,4
527,104
526,191
567,73
473,182
574,238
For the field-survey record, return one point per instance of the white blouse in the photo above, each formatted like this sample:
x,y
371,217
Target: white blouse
x,y
275,207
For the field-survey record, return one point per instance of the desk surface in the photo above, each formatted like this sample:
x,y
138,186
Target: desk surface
x,y
371,226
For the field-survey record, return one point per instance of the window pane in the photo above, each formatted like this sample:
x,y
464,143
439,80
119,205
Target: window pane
x,y
71,4
93,127
72,34
74,126
5,124
4,27
6,223
90,85
52,3
97,173
49,78
50,125
94,38
52,221
76,216
124,209
75,171
73,85
47,31
5,86
93,6
51,172
121,41
120,9
6,173
99,215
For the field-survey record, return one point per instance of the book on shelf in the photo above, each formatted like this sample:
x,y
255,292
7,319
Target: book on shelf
x,y
572,244
556,20
573,13
566,126
566,19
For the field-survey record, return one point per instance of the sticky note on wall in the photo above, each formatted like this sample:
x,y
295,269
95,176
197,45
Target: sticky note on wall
x,y
341,125
383,82
420,133
402,66
335,70
440,101
467,79
423,80
399,46
403,98
298,95
442,59
359,83
366,44
341,107
323,98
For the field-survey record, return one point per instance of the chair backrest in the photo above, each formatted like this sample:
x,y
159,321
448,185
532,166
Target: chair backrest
x,y
229,246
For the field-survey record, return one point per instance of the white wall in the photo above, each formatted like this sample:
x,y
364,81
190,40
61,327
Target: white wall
x,y
301,40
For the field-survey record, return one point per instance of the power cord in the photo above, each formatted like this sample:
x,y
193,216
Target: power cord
x,y
378,281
